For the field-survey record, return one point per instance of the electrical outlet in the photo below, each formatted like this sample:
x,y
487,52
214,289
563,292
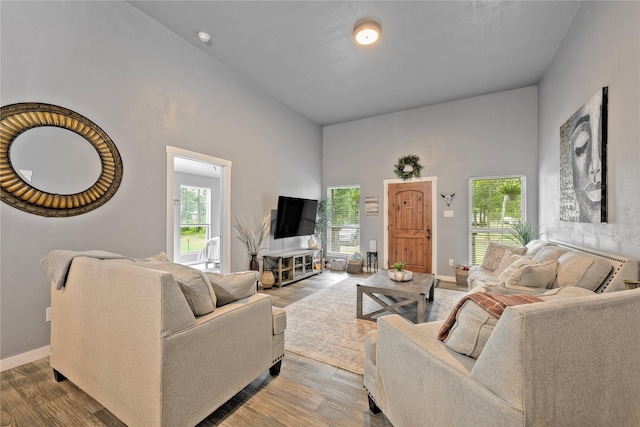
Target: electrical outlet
x,y
451,262
47,314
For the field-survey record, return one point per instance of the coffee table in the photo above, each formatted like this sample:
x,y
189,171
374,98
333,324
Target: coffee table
x,y
419,289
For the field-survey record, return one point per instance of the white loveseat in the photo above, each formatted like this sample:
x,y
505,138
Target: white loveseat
x,y
126,335
568,361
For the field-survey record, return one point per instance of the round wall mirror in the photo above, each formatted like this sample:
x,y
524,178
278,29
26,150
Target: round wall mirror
x,y
55,162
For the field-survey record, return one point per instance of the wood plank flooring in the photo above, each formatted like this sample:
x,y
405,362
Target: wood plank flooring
x,y
306,393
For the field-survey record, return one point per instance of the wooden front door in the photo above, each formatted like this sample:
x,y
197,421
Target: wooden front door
x,y
410,225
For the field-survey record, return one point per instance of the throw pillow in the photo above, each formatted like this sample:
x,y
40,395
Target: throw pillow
x,y
472,329
583,271
193,283
549,253
534,246
507,259
536,275
234,286
511,269
471,322
495,252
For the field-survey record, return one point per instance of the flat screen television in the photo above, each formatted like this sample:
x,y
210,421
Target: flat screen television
x,y
295,217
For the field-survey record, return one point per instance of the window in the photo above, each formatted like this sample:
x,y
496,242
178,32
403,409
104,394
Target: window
x,y
195,218
495,205
344,226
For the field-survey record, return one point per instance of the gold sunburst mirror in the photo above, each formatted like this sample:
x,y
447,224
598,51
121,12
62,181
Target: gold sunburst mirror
x,y
16,186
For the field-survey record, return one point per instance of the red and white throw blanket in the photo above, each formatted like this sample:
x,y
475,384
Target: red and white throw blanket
x,y
492,303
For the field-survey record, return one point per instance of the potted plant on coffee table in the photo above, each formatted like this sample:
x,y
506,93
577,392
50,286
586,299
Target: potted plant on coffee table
x,y
398,272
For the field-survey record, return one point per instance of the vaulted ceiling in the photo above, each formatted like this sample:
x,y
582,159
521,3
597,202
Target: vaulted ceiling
x,y
303,53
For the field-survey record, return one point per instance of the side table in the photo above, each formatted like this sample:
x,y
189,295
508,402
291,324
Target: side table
x,y
372,261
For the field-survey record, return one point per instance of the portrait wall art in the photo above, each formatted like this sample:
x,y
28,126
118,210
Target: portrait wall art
x,y
583,162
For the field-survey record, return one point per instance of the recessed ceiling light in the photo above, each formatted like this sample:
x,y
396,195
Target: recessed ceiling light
x,y
366,32
204,37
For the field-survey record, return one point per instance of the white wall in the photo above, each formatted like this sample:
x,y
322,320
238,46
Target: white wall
x,y
602,48
146,88
483,136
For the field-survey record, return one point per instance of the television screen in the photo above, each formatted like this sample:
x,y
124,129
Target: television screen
x,y
295,217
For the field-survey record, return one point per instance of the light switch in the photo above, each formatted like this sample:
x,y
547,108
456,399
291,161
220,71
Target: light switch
x,y
448,214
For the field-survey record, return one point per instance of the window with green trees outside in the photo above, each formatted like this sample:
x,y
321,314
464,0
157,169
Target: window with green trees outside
x,y
496,205
344,226
195,218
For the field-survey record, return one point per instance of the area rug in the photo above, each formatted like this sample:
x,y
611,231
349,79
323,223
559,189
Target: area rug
x,y
324,327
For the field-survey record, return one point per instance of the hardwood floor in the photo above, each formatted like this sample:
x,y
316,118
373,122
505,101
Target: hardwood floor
x,y
306,393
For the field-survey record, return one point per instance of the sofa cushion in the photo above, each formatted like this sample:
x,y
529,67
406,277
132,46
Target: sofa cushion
x,y
535,275
159,257
193,283
233,286
583,271
495,252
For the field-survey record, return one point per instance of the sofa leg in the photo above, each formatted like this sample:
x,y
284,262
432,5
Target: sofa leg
x,y
372,406
58,376
275,369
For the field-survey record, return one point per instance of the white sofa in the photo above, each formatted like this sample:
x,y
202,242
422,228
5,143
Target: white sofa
x,y
605,273
126,335
566,361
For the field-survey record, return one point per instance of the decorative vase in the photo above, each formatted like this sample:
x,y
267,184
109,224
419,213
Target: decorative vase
x,y
267,279
400,276
313,243
253,264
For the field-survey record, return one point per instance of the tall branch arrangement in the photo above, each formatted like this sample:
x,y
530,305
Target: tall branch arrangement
x,y
252,234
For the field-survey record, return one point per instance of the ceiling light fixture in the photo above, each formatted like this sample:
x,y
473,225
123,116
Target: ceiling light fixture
x,y
204,37
366,32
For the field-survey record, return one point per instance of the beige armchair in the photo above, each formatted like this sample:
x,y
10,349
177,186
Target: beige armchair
x,y
126,335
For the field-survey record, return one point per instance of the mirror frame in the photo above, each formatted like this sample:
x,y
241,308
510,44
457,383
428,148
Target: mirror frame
x,y
18,118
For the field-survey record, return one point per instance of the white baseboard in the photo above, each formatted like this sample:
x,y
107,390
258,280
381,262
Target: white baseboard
x,y
21,359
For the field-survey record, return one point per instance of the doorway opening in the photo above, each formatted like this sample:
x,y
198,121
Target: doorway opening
x,y
198,225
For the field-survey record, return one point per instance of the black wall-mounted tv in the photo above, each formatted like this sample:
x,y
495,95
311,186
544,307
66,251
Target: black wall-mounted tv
x,y
295,217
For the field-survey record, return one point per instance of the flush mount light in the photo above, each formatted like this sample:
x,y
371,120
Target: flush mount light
x,y
204,37
366,32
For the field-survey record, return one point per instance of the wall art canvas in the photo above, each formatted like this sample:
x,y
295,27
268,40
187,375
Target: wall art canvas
x,y
583,162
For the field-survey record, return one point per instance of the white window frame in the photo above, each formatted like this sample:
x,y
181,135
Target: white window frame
x,y
206,225
502,231
331,226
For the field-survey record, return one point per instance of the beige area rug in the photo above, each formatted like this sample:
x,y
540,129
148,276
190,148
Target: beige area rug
x,y
324,327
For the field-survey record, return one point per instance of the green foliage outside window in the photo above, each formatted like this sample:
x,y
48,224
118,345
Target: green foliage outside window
x,y
345,220
194,218
496,208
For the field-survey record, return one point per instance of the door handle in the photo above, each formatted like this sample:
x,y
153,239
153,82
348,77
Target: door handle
x,y
429,233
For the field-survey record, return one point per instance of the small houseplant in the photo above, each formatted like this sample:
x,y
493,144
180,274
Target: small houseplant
x,y
398,273
523,232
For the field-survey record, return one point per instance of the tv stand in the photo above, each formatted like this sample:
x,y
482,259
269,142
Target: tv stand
x,y
291,266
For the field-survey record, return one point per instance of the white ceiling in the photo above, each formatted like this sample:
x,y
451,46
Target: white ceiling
x,y
302,52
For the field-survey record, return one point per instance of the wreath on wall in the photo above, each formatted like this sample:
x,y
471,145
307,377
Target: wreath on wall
x,y
408,167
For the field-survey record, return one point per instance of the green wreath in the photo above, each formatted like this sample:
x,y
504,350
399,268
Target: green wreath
x,y
408,167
